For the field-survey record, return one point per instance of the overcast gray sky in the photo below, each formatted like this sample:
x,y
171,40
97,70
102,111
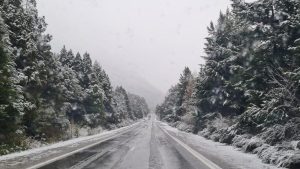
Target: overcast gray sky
x,y
155,39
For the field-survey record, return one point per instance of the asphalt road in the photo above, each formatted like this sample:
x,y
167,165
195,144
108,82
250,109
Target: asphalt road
x,y
146,146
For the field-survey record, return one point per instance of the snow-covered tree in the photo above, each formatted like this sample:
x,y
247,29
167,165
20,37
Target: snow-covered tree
x,y
11,107
178,101
138,106
45,95
122,109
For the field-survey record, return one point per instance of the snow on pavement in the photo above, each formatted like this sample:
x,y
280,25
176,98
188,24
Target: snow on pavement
x,y
218,152
70,143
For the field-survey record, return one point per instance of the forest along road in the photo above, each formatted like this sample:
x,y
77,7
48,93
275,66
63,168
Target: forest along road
x,y
146,145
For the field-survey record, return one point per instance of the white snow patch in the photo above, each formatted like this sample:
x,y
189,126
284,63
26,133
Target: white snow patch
x,y
71,143
221,151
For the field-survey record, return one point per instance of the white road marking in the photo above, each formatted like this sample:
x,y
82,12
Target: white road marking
x,y
132,148
200,157
88,161
78,150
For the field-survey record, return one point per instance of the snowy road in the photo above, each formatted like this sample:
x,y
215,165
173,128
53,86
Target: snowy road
x,y
146,145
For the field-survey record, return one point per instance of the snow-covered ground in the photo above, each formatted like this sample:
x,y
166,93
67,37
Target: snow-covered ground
x,y
48,151
223,155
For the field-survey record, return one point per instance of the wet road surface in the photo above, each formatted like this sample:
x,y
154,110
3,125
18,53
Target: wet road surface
x,y
144,147
147,144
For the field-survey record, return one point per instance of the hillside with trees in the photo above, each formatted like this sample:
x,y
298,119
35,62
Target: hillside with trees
x,y
50,97
247,94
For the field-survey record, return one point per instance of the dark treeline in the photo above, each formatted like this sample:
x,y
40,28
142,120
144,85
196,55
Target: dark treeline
x,y
44,96
249,87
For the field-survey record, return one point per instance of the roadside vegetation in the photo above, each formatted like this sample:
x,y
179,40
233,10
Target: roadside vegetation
x,y
47,97
247,93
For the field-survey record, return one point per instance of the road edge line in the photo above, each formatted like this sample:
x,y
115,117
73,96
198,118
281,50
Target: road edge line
x,y
36,166
196,154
